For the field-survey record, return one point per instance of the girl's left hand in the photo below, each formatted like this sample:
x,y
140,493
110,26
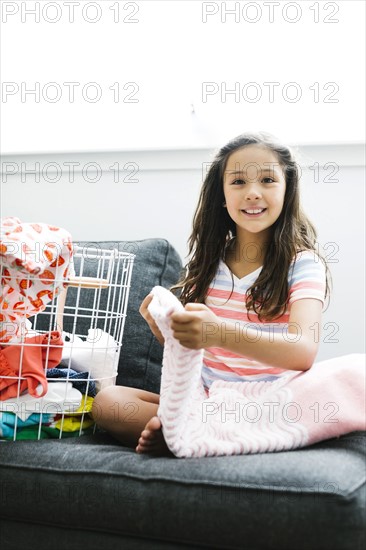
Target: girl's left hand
x,y
197,327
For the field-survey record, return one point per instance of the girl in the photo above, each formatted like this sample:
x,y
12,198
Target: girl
x,y
252,264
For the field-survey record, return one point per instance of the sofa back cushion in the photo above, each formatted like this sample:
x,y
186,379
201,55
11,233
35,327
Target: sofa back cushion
x,y
156,263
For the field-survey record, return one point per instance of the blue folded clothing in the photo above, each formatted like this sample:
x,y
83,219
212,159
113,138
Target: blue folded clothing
x,y
80,380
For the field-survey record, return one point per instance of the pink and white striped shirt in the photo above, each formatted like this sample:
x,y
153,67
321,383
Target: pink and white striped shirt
x,y
306,280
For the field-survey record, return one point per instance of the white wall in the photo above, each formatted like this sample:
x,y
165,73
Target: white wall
x,y
174,52
156,197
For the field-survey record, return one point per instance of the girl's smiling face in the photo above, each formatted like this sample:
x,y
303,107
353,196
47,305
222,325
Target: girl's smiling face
x,y
254,189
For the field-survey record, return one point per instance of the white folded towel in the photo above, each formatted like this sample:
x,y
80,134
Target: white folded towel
x,y
98,354
60,397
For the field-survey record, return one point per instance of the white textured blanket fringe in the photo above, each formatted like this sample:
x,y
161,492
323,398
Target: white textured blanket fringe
x,y
252,417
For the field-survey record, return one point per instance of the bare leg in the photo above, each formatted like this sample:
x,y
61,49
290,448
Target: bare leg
x,y
129,415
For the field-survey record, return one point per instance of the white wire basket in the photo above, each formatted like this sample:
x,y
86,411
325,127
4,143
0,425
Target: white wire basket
x,y
68,352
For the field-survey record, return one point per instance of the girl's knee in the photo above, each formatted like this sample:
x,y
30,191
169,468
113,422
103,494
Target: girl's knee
x,y
107,402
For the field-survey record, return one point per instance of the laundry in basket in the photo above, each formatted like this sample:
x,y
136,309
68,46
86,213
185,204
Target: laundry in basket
x,y
61,343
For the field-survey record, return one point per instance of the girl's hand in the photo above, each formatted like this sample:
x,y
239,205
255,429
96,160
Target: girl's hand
x,y
197,327
149,319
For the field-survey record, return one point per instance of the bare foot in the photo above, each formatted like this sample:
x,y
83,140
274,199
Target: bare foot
x,y
152,439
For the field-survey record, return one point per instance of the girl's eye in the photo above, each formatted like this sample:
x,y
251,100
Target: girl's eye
x,y
240,182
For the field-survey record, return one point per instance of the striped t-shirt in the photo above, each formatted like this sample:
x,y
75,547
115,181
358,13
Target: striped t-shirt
x,y
306,279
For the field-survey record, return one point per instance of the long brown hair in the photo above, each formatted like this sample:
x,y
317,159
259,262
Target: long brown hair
x,y
213,229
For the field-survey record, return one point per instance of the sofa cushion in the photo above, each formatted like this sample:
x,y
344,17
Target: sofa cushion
x,y
156,263
304,499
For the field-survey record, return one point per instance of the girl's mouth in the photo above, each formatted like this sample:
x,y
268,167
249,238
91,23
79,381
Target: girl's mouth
x,y
254,212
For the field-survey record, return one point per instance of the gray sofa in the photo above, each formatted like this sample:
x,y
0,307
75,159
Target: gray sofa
x,y
92,493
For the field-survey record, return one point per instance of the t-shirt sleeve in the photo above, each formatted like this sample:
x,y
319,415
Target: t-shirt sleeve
x,y
307,279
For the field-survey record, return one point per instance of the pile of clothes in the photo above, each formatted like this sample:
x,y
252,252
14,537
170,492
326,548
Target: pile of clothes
x,y
47,380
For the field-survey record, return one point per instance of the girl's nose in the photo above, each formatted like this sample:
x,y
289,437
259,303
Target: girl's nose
x,y
252,192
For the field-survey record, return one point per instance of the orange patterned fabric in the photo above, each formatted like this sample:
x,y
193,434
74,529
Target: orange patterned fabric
x,y
35,263
22,367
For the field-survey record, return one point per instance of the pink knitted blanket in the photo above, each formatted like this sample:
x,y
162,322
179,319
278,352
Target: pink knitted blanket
x,y
297,410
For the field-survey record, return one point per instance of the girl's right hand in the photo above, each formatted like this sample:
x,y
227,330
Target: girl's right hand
x,y
149,319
